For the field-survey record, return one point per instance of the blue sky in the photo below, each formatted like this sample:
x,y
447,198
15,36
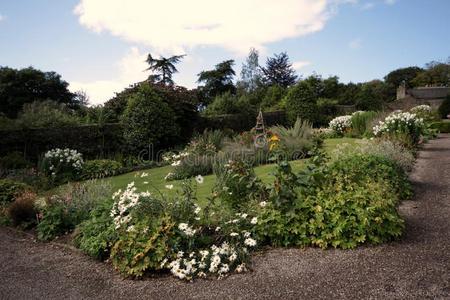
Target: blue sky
x,y
99,45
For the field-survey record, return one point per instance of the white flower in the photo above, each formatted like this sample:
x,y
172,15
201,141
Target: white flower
x,y
169,186
197,209
254,220
144,174
145,182
263,203
241,268
176,163
199,179
250,242
233,257
217,229
234,234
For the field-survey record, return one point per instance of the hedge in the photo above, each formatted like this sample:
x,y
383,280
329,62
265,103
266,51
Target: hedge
x,y
95,141
92,141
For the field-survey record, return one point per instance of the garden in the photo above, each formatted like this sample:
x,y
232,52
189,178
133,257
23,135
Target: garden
x,y
202,208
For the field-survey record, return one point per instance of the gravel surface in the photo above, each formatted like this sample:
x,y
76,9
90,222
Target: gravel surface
x,y
415,267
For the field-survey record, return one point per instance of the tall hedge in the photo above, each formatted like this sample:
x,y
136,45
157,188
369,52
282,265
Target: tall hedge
x,y
92,140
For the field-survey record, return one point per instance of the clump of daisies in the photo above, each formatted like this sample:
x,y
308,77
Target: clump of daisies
x,y
400,123
341,124
422,111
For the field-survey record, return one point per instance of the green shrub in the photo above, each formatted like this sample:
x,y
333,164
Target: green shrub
x,y
444,108
148,120
362,122
442,127
69,207
97,235
9,189
301,102
347,214
193,165
43,114
62,165
359,168
14,160
100,168
236,183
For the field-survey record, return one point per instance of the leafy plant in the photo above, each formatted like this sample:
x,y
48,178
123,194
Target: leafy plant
x,y
444,108
361,122
22,211
100,168
9,189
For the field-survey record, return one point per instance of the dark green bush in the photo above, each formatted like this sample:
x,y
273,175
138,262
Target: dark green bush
x,y
148,120
442,127
444,108
14,160
100,168
362,123
9,189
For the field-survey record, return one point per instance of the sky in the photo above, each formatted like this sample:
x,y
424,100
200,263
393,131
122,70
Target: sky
x,y
100,46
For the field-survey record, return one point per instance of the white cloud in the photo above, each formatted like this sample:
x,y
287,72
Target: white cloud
x,y
367,6
2,17
355,44
172,26
130,69
300,64
390,2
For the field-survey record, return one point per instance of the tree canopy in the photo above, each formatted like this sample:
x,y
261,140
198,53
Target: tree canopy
x,y
163,68
217,81
18,87
279,71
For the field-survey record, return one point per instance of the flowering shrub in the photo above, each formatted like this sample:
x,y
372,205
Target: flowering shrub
x,y
174,234
399,123
100,168
341,124
62,164
422,111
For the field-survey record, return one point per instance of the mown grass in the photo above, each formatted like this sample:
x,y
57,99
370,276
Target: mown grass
x,y
155,179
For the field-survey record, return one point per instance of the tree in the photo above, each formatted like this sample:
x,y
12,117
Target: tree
x,y
397,77
148,120
163,68
217,81
371,95
28,85
251,72
279,71
435,74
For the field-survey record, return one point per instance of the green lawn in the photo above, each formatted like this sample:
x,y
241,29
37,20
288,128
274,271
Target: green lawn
x,y
155,178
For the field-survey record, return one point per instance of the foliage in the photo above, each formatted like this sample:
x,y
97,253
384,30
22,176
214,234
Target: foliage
x,y
251,77
442,127
18,87
444,108
236,183
13,160
371,95
69,207
96,235
361,122
217,81
148,120
326,110
295,142
227,103
44,114
301,101
62,165
22,211
273,97
397,77
9,189
100,168
163,68
279,71
435,74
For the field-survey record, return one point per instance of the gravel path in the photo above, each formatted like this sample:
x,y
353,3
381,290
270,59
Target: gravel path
x,y
416,267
